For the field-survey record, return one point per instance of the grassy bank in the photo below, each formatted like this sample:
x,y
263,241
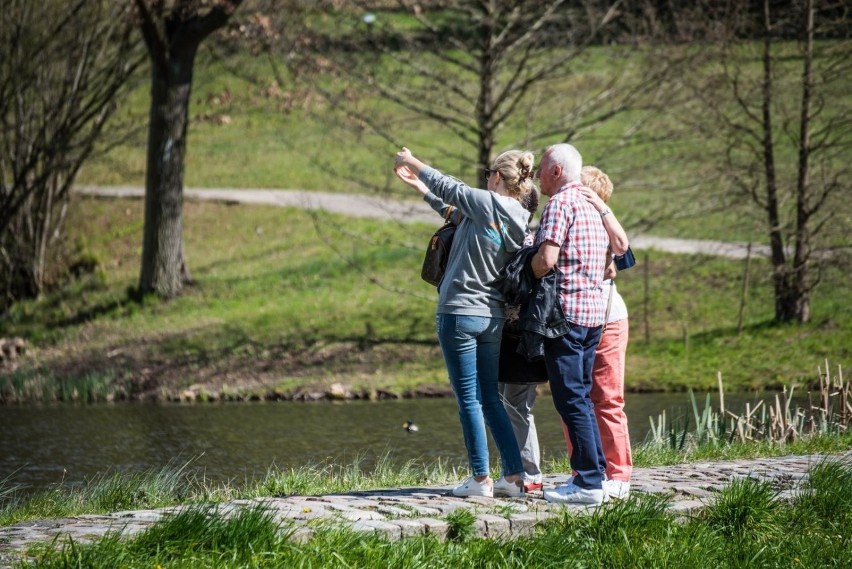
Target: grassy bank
x,y
178,485
287,302
743,525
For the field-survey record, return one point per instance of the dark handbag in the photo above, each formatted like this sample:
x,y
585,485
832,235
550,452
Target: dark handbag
x,y
514,367
625,261
438,252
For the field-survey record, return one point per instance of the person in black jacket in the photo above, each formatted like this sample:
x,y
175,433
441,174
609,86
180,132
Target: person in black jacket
x,y
519,378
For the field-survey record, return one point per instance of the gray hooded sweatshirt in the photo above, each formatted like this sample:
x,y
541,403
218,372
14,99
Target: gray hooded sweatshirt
x,y
492,230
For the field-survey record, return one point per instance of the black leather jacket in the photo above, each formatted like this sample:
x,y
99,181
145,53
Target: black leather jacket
x,y
541,314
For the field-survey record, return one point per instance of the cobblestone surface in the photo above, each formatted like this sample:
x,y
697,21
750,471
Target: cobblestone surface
x,y
403,512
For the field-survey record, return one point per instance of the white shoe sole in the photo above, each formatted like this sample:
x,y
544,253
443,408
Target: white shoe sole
x,y
581,498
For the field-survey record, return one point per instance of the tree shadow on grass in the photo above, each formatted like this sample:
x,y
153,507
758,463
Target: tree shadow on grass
x,y
89,313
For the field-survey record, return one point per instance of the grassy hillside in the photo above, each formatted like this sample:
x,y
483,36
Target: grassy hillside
x,y
249,131
287,300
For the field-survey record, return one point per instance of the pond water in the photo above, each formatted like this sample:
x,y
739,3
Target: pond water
x,y
41,446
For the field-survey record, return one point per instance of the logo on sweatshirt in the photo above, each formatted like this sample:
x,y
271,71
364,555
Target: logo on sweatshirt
x,y
495,234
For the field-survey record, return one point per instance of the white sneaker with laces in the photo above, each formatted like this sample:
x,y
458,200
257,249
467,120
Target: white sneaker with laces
x,y
471,487
503,487
573,494
619,489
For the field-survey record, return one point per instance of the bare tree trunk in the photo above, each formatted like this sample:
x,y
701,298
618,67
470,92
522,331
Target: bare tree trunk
x,y
800,301
162,252
744,294
801,202
172,38
41,234
485,98
780,274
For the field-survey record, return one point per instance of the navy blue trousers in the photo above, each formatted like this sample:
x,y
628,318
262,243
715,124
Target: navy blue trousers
x,y
570,359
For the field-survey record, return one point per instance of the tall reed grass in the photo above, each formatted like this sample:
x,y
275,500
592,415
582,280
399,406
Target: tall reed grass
x,y
26,385
828,412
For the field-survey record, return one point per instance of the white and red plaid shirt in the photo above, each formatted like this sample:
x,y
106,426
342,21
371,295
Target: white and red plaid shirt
x,y
571,222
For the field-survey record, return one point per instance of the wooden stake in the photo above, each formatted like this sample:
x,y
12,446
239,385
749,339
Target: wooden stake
x,y
646,300
744,293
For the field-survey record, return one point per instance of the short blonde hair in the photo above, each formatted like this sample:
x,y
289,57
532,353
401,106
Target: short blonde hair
x,y
597,181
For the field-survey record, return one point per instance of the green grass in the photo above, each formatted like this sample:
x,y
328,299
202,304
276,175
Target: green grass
x,y
292,298
332,478
743,526
177,485
105,493
269,283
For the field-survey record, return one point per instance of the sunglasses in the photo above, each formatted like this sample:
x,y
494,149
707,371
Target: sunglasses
x,y
488,172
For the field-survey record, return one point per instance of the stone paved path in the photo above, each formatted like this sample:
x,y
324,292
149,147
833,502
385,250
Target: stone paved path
x,y
397,513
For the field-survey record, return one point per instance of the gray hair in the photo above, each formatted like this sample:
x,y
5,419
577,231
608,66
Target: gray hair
x,y
569,159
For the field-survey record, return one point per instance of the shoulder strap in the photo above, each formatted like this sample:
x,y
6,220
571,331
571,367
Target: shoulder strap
x,y
450,210
608,305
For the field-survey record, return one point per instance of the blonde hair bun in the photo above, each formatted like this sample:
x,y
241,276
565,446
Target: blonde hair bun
x,y
516,169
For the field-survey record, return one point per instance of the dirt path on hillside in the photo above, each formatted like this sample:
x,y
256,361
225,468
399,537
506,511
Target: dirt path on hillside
x,y
414,211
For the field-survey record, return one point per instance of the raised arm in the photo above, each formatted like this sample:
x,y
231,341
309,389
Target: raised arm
x,y
473,203
405,158
445,210
405,174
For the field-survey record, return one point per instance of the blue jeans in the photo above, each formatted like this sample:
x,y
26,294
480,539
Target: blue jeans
x,y
471,347
569,360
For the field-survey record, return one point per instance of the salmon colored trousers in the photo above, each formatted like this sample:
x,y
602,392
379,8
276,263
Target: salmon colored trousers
x,y
608,398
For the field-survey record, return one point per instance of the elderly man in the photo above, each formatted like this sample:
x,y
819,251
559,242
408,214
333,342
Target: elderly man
x,y
573,241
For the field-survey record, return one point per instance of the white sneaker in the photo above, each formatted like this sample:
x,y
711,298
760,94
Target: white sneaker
x,y
573,494
503,487
619,489
471,487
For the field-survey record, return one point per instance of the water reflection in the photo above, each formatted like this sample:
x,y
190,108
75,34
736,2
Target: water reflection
x,y
45,445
